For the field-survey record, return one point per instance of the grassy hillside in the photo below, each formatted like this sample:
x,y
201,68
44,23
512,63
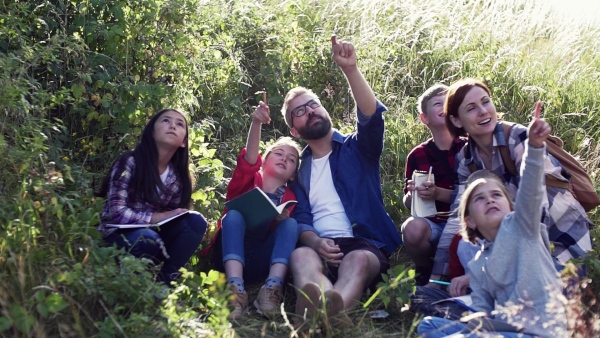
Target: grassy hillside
x,y
79,80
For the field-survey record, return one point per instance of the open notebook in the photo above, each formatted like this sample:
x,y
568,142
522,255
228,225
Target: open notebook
x,y
420,207
148,225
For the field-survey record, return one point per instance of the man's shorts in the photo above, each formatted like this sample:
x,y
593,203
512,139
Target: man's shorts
x,y
436,231
349,244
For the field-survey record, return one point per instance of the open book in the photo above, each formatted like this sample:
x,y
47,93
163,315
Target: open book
x,y
476,321
256,206
144,225
420,207
464,301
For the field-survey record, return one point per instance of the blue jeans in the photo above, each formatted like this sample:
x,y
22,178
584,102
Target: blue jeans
x,y
435,327
173,244
421,301
257,248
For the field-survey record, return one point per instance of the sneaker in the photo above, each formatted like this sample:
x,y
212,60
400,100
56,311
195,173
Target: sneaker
x,y
268,300
238,302
308,301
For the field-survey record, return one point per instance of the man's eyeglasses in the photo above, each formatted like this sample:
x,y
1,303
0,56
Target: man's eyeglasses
x,y
301,109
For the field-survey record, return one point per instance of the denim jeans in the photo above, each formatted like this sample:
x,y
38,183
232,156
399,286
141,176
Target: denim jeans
x,y
178,238
421,301
257,248
435,327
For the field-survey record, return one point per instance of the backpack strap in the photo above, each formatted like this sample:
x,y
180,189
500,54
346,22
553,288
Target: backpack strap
x,y
509,164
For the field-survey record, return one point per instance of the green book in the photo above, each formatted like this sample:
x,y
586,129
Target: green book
x,y
256,206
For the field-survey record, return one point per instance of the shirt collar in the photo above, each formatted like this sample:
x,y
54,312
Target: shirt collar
x,y
337,137
498,139
485,244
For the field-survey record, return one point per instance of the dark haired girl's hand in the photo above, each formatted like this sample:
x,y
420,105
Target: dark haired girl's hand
x,y
539,130
161,216
262,113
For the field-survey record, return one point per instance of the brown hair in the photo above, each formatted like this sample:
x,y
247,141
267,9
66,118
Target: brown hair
x,y
475,179
456,94
433,91
292,94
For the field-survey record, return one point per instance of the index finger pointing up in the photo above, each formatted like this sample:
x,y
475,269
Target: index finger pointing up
x,y
333,40
538,109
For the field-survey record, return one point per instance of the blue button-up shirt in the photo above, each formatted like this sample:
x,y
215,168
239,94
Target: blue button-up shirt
x,y
355,169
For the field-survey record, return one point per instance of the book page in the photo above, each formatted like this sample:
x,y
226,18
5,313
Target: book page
x,y
148,225
285,205
464,301
419,206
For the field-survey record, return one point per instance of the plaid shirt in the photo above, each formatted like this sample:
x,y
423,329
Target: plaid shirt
x,y
428,154
568,224
121,208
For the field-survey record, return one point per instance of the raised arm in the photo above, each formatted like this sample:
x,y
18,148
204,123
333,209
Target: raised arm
x,y
260,115
530,196
344,56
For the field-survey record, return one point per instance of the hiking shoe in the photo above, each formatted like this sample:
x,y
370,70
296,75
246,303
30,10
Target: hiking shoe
x,y
308,301
268,300
238,302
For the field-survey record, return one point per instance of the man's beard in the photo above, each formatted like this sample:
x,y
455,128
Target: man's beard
x,y
315,131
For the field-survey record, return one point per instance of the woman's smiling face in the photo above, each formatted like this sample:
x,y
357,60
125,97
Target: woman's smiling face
x,y
477,113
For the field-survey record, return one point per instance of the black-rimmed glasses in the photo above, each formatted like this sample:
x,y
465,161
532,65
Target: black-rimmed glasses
x,y
301,109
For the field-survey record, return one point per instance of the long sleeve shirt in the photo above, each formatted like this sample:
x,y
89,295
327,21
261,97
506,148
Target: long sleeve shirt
x,y
355,169
516,271
568,224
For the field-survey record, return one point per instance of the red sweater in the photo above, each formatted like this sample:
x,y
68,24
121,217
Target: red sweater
x,y
246,177
455,268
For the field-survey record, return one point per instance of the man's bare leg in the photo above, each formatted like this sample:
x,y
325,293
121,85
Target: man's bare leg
x,y
357,271
307,271
306,266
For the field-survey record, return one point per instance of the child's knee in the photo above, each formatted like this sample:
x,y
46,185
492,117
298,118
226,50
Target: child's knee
x,y
233,218
198,224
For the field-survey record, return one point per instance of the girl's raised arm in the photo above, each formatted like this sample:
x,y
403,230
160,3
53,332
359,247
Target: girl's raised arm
x,y
528,203
260,115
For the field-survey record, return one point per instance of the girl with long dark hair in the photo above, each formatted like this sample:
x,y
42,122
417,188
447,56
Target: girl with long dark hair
x,y
151,184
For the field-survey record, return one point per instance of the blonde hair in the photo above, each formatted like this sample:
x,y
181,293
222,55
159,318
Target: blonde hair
x,y
292,94
475,180
285,141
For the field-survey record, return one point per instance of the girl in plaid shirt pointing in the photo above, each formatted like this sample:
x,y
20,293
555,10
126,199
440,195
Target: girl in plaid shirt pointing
x,y
148,185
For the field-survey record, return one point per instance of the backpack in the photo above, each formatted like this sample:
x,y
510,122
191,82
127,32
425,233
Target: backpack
x,y
579,184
